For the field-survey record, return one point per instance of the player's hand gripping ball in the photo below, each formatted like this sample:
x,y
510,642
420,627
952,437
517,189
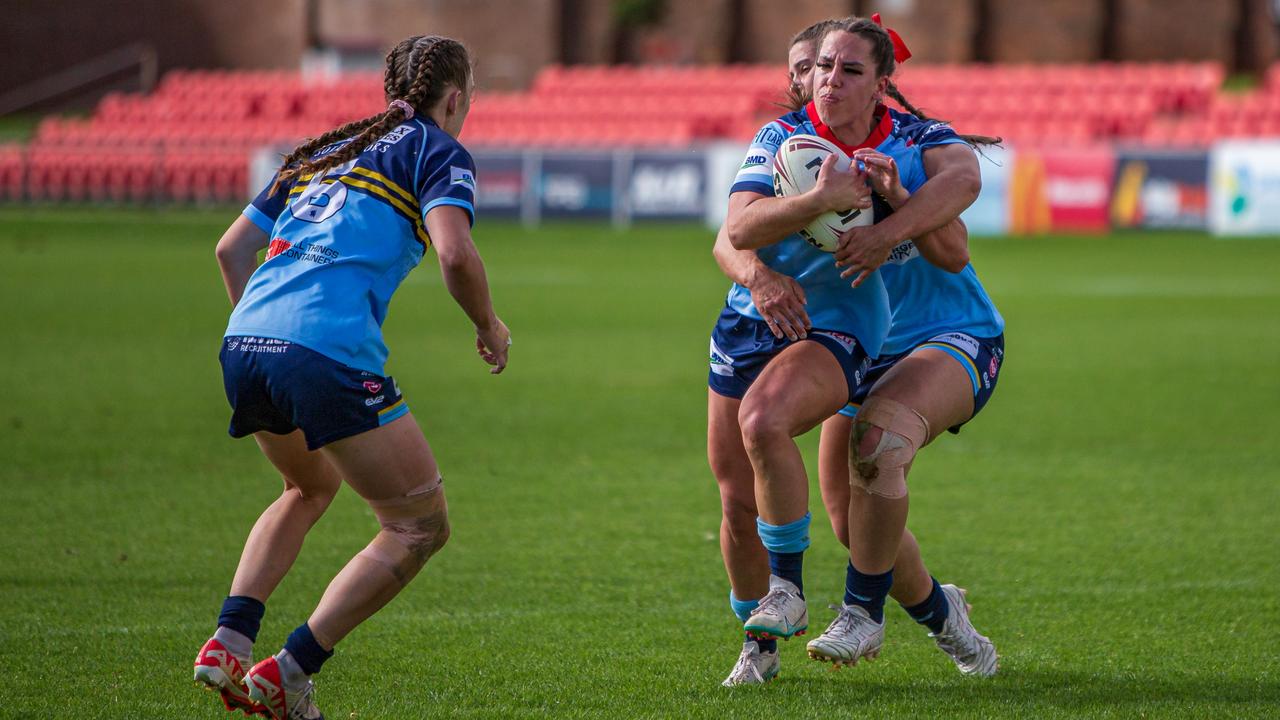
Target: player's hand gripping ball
x,y
795,172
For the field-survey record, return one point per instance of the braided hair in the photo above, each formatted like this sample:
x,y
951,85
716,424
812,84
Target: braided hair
x,y
882,53
418,70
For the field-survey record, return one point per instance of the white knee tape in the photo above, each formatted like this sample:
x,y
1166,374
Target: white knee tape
x,y
903,431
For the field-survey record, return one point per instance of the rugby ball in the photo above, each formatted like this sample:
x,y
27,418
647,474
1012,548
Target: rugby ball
x,y
795,172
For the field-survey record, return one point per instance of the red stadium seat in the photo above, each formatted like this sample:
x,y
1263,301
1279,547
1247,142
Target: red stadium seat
x,y
189,139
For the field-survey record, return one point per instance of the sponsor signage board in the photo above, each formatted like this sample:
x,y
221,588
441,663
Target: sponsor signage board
x,y
1161,189
1244,188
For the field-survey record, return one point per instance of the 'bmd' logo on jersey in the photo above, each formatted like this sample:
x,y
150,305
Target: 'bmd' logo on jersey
x,y
463,177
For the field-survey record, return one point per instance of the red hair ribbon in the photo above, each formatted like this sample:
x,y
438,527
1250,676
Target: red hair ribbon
x,y
900,51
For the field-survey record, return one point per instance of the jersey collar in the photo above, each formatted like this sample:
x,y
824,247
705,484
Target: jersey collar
x,y
878,134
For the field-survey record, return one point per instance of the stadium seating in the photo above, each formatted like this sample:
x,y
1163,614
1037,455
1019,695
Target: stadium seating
x,y
190,139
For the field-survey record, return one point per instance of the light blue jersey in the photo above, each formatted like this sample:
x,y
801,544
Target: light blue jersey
x,y
863,312
342,243
926,300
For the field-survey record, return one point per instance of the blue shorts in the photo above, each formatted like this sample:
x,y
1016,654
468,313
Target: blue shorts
x,y
741,346
280,386
980,357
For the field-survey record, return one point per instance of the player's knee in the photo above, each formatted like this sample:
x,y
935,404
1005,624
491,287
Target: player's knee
x,y
840,527
739,512
318,487
886,435
414,527
729,465
760,427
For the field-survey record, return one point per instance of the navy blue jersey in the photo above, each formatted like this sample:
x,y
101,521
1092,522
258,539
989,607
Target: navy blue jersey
x,y
343,240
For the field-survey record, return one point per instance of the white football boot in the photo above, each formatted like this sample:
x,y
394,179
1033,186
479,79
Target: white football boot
x,y
755,667
849,638
781,612
973,653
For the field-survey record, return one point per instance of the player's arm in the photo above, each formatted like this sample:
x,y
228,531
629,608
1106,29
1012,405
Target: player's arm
x,y
779,298
946,247
954,181
449,227
757,220
237,254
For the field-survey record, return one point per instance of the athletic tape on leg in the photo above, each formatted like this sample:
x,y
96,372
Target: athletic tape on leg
x,y
903,431
414,527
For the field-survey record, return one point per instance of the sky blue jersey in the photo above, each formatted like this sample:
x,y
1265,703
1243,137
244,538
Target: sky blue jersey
x,y
342,242
864,311
926,300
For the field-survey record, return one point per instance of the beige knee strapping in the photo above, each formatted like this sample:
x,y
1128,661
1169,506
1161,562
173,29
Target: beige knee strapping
x,y
903,431
414,527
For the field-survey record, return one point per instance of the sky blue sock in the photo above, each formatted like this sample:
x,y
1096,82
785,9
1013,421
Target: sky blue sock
x,y
786,545
743,609
242,614
931,613
868,591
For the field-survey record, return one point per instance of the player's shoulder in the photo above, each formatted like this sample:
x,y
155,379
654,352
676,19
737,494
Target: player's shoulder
x,y
779,129
439,146
918,130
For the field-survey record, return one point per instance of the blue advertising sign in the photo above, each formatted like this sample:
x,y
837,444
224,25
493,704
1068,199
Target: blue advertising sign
x,y
989,214
1161,189
667,186
576,186
500,184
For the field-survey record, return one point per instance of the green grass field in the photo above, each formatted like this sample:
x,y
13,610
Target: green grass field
x,y
1114,511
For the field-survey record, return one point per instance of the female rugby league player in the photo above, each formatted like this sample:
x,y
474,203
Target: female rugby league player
x,y
760,372
348,215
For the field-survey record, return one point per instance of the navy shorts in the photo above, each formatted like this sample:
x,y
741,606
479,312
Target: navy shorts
x,y
980,357
742,346
280,386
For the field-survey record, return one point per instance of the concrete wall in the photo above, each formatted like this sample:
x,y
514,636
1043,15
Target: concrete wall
x,y
509,40
1043,31
1175,29
936,31
41,37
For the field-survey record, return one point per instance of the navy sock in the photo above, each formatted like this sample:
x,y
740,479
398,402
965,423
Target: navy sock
x,y
931,613
305,650
770,645
786,545
868,591
789,567
242,614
